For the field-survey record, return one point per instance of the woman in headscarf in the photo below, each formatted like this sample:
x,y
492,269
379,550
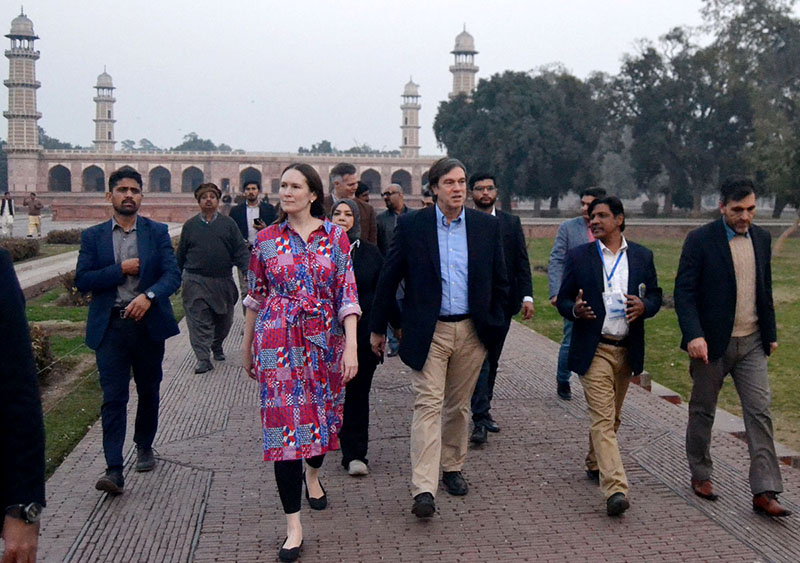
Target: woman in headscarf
x,y
367,264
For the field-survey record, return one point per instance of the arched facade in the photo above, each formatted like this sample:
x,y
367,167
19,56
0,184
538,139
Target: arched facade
x,y
403,179
159,180
424,177
249,174
94,179
59,179
372,178
191,178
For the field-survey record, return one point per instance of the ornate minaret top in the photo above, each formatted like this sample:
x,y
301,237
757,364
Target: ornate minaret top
x,y
104,114
464,69
410,126
23,132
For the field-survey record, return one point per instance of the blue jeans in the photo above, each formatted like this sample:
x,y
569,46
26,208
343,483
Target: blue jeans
x,y
127,346
391,339
563,374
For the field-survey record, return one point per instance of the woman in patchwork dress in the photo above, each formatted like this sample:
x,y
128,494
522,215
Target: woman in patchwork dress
x,y
300,341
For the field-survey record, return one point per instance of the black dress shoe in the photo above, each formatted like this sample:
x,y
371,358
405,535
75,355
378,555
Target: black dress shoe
x,y
490,424
617,504
593,475
203,366
219,355
424,507
290,554
454,483
479,435
112,482
316,503
564,391
145,460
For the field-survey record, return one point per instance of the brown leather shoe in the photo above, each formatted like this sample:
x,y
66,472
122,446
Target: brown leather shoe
x,y
704,489
767,503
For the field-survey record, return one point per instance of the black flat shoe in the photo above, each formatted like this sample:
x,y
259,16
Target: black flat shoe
x,y
316,503
290,554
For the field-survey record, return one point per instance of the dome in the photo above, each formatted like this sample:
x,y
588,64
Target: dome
x,y
464,43
411,89
104,81
21,26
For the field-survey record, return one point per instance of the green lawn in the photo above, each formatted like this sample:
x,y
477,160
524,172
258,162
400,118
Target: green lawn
x,y
669,365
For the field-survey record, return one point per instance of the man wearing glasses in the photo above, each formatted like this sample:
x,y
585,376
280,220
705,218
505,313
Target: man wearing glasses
x,y
518,269
387,220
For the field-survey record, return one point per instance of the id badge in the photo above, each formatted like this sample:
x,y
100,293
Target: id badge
x,y
614,303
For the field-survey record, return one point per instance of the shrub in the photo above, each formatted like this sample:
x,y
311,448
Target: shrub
x,y
74,297
68,236
20,248
650,208
42,353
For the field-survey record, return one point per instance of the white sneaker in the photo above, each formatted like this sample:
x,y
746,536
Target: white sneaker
x,y
357,468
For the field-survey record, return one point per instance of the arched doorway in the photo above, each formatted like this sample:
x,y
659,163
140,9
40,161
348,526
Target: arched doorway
x,y
160,180
192,177
403,179
94,179
248,175
372,178
59,179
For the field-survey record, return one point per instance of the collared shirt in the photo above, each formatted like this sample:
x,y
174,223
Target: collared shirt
x,y
453,265
731,233
527,298
253,213
125,248
213,217
618,281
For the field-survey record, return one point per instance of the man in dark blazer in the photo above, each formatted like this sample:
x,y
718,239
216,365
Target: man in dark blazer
x,y
343,184
21,427
129,266
518,271
723,298
451,259
609,288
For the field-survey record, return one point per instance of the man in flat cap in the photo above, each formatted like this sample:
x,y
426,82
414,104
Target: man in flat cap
x,y
210,246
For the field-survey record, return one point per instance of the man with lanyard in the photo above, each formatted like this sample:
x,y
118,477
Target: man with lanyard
x,y
518,268
210,246
609,288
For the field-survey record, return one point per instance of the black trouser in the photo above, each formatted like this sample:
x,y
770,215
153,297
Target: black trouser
x,y
126,345
484,388
354,435
289,477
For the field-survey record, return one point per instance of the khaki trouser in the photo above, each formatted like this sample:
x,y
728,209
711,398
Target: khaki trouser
x,y
605,385
34,225
440,425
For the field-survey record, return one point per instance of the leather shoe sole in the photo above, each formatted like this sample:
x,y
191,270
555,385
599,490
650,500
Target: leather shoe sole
x,y
107,484
617,504
767,504
704,489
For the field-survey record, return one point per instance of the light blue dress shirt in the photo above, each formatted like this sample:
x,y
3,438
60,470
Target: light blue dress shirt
x,y
453,263
731,233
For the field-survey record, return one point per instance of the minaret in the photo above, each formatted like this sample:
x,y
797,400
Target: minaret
x,y
104,114
464,69
23,133
410,126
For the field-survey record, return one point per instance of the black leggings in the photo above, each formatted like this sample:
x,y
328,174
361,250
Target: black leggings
x,y
289,476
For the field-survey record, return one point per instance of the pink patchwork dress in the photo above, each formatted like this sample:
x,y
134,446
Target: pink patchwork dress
x,y
302,291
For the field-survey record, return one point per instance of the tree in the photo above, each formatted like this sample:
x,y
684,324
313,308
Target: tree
x,y
323,147
193,142
128,145
51,143
536,132
147,145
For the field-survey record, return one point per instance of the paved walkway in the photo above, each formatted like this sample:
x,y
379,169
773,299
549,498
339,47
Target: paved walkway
x,y
211,498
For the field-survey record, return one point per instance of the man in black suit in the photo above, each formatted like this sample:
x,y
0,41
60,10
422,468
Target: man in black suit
x,y
451,259
608,289
723,297
518,270
129,266
22,436
343,184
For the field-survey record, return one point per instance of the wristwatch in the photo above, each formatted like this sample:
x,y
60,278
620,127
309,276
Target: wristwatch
x,y
150,295
29,513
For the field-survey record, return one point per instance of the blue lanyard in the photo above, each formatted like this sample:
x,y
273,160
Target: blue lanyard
x,y
603,262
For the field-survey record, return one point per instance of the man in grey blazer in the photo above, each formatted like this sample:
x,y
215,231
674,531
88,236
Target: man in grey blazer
x,y
571,234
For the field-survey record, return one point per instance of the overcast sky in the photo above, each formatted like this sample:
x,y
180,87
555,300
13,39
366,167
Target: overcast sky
x,y
270,76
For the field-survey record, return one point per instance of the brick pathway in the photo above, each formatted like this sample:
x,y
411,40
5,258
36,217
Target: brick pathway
x,y
211,498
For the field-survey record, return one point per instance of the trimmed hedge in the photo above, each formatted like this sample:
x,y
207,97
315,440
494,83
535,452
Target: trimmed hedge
x,y
20,248
67,236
